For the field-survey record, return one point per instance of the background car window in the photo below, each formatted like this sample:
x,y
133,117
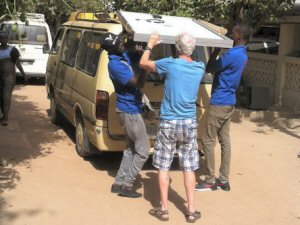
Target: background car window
x,y
89,52
57,42
70,47
34,35
261,45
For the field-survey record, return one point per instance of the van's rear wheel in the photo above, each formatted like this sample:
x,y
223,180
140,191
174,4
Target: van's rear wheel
x,y
83,145
56,116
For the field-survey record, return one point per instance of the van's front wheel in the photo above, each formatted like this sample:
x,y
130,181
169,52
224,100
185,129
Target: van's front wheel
x,y
83,146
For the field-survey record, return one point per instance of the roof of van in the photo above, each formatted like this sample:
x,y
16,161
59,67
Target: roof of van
x,y
111,27
33,23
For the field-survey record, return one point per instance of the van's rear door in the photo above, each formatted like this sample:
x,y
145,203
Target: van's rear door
x,y
142,25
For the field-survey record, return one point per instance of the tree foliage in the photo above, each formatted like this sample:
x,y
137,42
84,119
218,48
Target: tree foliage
x,y
255,12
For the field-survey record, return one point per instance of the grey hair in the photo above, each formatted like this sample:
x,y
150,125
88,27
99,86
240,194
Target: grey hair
x,y
185,44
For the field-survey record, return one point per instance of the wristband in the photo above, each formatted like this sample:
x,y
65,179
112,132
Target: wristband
x,y
148,48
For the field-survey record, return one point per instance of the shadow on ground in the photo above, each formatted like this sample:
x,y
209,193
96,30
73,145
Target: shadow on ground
x,y
23,140
110,162
285,121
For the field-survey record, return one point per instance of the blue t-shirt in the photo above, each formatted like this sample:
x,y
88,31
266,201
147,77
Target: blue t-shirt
x,y
129,99
229,69
182,83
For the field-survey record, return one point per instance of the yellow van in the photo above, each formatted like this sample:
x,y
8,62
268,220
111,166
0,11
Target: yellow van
x,y
80,90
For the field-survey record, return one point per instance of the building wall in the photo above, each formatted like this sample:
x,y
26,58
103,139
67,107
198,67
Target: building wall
x,y
281,73
261,71
288,94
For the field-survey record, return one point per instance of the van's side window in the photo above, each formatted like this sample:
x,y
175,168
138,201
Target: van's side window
x,y
70,46
88,53
57,42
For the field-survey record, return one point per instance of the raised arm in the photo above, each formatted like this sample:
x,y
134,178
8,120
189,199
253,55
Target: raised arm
x,y
145,62
211,65
138,79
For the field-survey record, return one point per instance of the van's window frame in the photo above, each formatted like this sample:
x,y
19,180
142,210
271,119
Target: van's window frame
x,y
84,33
54,50
64,44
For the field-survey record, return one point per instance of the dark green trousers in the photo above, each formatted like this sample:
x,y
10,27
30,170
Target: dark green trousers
x,y
217,126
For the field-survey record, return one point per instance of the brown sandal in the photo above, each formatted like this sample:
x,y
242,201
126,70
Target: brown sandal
x,y
162,215
192,217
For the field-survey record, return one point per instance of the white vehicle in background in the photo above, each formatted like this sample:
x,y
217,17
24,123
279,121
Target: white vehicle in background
x,y
33,40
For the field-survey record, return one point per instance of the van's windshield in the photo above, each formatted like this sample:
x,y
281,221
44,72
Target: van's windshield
x,y
34,35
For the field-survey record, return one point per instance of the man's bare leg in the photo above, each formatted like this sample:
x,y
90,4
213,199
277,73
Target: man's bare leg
x,y
164,181
189,184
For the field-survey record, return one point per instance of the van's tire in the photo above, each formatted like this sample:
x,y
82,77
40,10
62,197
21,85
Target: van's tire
x,y
83,145
56,116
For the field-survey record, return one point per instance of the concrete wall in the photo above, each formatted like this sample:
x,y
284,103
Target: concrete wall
x,y
280,73
288,94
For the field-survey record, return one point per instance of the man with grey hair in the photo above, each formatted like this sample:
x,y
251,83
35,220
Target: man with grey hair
x,y
178,126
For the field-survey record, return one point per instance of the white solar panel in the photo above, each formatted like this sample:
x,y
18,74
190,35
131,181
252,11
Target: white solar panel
x,y
141,25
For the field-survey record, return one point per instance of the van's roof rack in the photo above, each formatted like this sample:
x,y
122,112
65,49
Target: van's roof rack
x,y
98,17
34,16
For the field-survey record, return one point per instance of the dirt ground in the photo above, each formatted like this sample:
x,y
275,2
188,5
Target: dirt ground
x,y
44,182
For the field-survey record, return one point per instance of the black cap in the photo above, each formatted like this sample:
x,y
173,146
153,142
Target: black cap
x,y
110,41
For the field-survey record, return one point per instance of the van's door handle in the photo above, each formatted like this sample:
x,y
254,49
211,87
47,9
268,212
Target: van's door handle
x,y
54,63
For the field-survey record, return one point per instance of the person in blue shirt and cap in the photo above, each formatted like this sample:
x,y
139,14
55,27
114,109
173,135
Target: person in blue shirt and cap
x,y
228,71
125,77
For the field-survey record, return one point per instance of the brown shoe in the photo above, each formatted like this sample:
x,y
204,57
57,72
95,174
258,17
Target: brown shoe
x,y
4,123
192,217
162,215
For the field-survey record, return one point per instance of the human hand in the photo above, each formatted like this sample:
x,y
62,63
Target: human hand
x,y
154,40
223,31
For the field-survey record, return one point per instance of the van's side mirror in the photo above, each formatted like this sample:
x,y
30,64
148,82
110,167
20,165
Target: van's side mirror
x,y
46,48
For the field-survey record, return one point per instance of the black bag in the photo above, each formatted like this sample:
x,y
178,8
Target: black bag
x,y
148,111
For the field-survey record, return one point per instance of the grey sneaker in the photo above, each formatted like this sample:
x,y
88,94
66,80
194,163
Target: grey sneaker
x,y
225,186
115,188
126,191
205,186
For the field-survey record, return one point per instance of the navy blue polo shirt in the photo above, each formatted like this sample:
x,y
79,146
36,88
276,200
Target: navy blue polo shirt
x,y
129,99
229,69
